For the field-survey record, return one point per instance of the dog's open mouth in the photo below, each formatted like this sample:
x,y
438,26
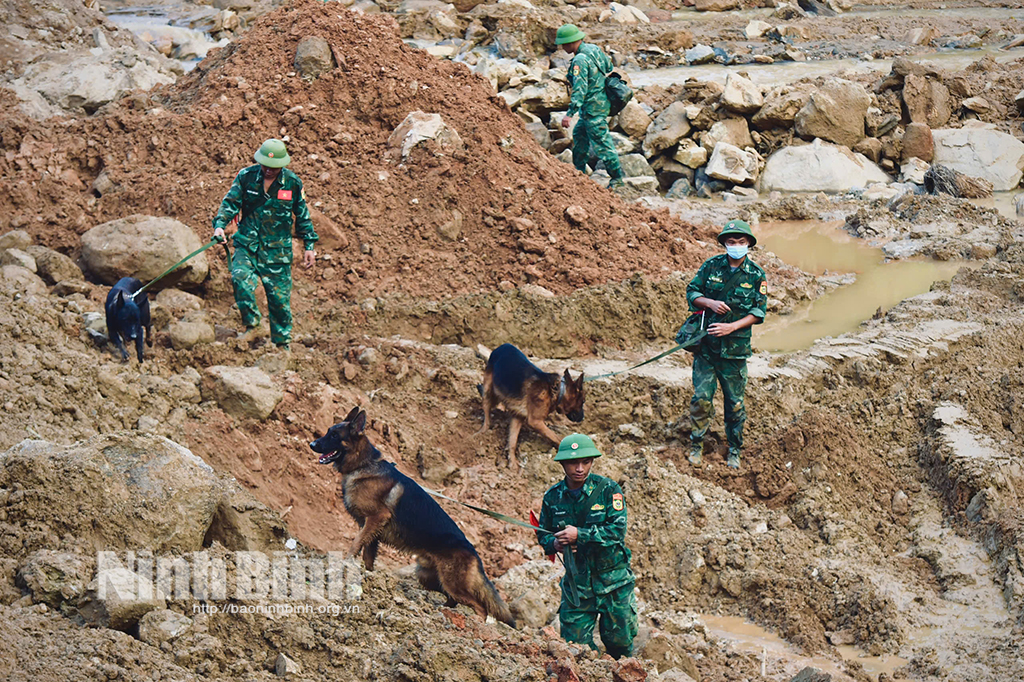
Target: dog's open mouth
x,y
328,457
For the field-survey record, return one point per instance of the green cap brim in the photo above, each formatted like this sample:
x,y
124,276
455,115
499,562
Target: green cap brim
x,y
579,35
582,453
271,163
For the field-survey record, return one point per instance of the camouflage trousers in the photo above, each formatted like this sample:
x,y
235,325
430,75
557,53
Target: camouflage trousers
x,y
247,271
618,625
708,371
591,136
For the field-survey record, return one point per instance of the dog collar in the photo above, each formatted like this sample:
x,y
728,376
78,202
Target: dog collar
x,y
561,390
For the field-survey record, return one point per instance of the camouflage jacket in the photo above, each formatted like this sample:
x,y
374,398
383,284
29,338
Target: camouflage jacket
x,y
587,74
602,560
265,227
748,296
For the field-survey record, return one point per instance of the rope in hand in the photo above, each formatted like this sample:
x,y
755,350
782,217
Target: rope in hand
x,y
630,369
180,263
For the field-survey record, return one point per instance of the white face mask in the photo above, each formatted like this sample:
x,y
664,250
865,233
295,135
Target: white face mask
x,y
737,252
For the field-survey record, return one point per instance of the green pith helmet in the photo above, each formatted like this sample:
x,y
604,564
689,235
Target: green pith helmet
x,y
568,33
737,227
272,154
576,446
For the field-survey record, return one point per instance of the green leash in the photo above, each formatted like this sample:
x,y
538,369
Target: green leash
x,y
630,369
178,264
488,512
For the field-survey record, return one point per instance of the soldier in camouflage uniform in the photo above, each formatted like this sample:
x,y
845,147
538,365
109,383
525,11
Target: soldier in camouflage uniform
x,y
733,291
587,73
269,197
589,514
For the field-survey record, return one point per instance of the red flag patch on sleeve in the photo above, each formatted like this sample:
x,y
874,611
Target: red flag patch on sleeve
x,y
284,194
617,503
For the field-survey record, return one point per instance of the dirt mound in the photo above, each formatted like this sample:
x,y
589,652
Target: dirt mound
x,y
175,153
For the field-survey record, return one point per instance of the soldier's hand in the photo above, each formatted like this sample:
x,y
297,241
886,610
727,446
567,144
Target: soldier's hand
x,y
309,259
559,545
567,535
718,307
566,121
218,234
721,329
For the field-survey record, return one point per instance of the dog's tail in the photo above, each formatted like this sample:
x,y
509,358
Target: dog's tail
x,y
492,601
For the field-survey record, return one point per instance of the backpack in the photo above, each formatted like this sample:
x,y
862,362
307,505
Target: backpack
x,y
618,93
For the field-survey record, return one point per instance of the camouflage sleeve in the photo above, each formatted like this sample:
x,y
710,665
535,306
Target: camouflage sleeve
x,y
580,70
546,540
613,530
230,205
303,223
695,289
760,308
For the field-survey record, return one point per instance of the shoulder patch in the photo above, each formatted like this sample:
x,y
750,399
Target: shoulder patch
x,y
618,504
284,194
764,287
575,69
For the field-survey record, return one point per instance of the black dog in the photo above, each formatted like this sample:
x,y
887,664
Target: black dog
x,y
392,508
126,316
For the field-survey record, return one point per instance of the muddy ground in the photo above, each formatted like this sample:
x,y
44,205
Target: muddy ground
x,y
878,502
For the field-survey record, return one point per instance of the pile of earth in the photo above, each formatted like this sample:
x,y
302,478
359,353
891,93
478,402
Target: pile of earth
x,y
513,213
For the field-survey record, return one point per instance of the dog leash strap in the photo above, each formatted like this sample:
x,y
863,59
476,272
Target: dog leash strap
x,y
630,369
176,266
492,514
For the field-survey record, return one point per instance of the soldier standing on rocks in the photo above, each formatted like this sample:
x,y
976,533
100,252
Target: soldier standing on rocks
x,y
587,72
589,513
269,198
734,292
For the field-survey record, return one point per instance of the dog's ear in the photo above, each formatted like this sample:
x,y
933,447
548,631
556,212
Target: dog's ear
x,y
357,425
579,382
120,296
567,376
352,415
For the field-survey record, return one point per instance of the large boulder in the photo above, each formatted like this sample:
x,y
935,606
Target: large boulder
x,y
926,100
15,239
419,127
53,577
732,164
835,112
781,105
733,131
118,491
246,392
635,166
545,96
533,591
143,246
819,167
54,266
313,57
18,280
633,120
981,153
667,129
741,95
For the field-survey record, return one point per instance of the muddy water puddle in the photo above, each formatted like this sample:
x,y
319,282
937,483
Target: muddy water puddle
x,y
822,248
746,637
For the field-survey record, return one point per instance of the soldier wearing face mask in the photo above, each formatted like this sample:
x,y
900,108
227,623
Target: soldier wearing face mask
x,y
732,291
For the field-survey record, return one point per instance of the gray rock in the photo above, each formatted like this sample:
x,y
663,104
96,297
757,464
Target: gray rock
x,y
741,95
633,120
159,626
987,154
245,392
699,54
644,184
691,155
835,112
313,57
623,144
818,167
732,164
54,266
419,127
635,165
667,129
540,133
19,258
285,667
179,303
15,239
811,675
143,246
680,189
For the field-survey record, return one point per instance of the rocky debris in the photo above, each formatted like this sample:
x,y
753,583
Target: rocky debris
x,y
286,667
18,258
130,490
162,625
942,179
977,152
143,247
628,670
781,105
633,120
732,164
926,100
119,598
185,335
623,14
313,57
818,167
54,266
741,95
419,127
55,578
834,112
244,392
670,126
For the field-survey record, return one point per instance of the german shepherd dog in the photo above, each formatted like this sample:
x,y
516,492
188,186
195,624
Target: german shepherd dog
x,y
128,316
392,508
529,393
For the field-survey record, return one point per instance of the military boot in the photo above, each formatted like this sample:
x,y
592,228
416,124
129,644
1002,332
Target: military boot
x,y
696,453
733,460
